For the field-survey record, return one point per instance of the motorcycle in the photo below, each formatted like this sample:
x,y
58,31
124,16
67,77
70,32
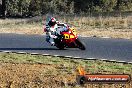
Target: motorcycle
x,y
69,39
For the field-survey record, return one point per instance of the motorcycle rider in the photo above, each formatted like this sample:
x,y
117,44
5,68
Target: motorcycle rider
x,y
54,27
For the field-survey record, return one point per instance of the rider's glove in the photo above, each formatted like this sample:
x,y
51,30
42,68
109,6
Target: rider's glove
x,y
45,30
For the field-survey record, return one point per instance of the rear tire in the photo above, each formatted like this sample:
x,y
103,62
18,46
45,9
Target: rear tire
x,y
60,47
80,44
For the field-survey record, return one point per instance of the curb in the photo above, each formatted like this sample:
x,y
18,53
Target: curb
x,y
71,57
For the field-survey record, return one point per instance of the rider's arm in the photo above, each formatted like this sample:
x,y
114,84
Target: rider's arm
x,y
46,28
51,36
64,26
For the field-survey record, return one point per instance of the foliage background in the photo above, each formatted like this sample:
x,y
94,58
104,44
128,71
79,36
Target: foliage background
x,y
26,8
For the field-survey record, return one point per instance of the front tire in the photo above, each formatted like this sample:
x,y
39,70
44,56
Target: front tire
x,y
80,44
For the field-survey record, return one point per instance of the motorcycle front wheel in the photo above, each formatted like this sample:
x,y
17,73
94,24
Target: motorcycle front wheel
x,y
80,44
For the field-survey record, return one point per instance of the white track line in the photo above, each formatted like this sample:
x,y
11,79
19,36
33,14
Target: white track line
x,y
113,60
46,54
122,62
77,57
106,37
91,58
104,59
21,52
6,51
55,55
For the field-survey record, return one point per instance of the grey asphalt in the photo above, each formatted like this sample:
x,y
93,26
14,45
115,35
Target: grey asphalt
x,y
99,48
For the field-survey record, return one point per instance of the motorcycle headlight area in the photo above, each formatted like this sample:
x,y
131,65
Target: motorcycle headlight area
x,y
69,31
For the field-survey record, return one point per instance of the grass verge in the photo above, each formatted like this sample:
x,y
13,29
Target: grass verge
x,y
37,71
115,27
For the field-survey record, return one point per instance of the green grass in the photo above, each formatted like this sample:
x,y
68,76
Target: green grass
x,y
53,70
92,66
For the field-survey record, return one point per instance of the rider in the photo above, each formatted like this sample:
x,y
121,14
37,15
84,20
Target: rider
x,y
53,27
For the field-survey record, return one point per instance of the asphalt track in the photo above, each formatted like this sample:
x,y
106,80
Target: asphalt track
x,y
99,48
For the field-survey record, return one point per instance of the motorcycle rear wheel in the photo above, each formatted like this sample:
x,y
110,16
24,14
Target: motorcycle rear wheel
x,y
60,46
58,43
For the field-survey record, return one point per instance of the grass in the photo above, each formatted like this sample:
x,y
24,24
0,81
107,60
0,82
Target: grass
x,y
26,26
37,71
114,27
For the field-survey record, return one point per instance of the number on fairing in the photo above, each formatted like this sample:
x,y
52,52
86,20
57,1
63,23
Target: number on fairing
x,y
66,36
74,31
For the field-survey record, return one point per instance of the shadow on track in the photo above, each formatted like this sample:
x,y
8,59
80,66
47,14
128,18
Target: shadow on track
x,y
29,49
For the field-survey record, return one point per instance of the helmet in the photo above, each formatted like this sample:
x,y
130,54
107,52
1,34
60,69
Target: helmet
x,y
52,21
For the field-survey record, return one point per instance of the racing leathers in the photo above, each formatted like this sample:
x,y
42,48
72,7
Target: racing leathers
x,y
53,31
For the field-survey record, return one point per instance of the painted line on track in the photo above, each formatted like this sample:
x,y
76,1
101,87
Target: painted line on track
x,y
6,51
90,59
113,60
122,62
77,57
45,54
104,59
21,52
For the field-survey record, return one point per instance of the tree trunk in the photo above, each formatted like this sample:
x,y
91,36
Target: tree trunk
x,y
3,8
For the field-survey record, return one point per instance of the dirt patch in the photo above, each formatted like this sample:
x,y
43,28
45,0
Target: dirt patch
x,y
38,71
32,30
31,76
14,75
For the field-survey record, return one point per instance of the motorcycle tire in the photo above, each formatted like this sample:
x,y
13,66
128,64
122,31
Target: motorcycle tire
x,y
80,44
60,46
58,43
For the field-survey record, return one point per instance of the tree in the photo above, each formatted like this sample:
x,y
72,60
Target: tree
x,y
25,8
3,8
